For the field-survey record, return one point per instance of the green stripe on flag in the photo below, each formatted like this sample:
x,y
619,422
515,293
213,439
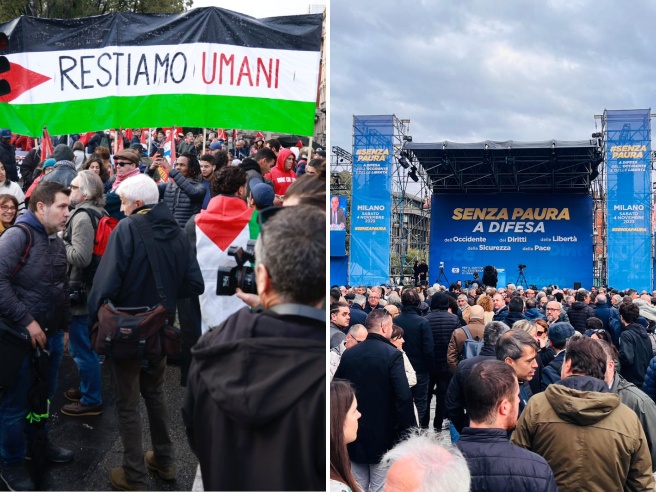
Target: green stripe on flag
x,y
254,225
190,110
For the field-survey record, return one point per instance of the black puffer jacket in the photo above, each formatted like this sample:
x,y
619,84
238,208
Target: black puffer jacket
x,y
442,324
578,314
495,464
8,158
635,353
183,196
39,291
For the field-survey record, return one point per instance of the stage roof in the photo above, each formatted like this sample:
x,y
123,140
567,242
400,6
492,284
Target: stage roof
x,y
486,167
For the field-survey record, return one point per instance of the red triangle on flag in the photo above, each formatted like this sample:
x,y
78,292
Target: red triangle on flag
x,y
21,80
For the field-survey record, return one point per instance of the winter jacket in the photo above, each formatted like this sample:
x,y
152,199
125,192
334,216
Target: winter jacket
x,y
281,179
455,395
63,173
649,384
442,324
255,406
79,237
605,314
124,274
39,290
643,407
457,342
29,164
577,425
8,158
358,316
418,338
635,353
336,336
511,318
335,356
496,465
375,367
501,314
98,140
551,373
183,196
533,314
578,314
253,170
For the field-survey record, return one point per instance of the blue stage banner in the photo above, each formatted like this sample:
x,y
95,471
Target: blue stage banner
x,y
371,199
550,234
628,151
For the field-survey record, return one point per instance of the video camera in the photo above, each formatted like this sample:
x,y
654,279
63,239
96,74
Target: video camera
x,y
242,276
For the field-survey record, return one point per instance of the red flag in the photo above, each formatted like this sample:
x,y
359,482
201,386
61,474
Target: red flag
x,y
222,135
46,145
145,132
234,136
259,135
84,137
299,144
128,134
118,141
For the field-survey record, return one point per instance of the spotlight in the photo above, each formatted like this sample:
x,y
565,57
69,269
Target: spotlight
x,y
413,174
407,138
596,135
403,159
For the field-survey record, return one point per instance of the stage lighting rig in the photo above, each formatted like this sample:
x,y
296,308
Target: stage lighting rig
x,y
404,159
413,174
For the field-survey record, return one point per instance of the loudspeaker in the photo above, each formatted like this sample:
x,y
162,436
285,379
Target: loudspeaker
x,y
577,285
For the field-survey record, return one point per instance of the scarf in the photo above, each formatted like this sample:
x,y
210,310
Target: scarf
x,y
122,177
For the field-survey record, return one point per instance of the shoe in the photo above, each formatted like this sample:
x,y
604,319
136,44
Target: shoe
x,y
54,454
76,409
164,472
16,477
73,394
119,482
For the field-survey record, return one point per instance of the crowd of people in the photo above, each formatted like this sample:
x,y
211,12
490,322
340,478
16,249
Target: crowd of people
x,y
167,227
535,389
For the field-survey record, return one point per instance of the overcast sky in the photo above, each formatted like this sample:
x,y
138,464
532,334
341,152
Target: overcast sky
x,y
474,70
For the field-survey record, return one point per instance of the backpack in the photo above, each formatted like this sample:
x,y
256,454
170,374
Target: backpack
x,y
103,225
25,254
471,347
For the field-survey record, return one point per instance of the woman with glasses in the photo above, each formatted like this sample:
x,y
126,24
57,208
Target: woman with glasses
x,y
8,187
8,211
547,353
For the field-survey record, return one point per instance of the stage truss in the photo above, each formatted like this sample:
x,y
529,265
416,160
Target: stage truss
x,y
410,227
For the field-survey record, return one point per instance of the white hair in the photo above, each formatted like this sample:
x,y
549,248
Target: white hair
x,y
443,465
140,187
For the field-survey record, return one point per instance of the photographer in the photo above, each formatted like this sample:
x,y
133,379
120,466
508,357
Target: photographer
x,y
260,376
79,236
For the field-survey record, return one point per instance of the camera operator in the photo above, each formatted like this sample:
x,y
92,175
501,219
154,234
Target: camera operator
x,y
88,199
259,378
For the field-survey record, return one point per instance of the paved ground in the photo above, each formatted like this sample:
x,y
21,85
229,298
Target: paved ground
x,y
96,442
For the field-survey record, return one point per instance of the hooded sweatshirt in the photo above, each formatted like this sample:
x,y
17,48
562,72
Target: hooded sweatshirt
x,y
281,179
255,403
591,441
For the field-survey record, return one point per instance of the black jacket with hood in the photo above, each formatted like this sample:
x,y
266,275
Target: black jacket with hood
x,y
39,290
254,410
635,353
124,274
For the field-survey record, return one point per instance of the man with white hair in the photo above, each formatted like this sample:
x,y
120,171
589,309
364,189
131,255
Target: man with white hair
x,y
126,278
425,461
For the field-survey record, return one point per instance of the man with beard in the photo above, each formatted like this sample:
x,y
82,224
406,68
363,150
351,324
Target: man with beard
x,y
492,402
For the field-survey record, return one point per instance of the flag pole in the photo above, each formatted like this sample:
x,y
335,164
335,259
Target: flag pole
x,y
204,138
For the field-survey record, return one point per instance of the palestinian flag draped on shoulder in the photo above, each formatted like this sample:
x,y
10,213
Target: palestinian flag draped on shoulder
x,y
227,222
208,67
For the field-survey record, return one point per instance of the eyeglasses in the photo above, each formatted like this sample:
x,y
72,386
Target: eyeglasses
x,y
73,187
553,309
7,208
124,163
374,297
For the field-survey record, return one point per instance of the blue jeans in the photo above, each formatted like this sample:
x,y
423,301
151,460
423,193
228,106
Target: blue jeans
x,y
14,406
87,362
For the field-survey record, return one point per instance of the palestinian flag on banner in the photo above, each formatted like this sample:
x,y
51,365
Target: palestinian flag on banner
x,y
138,70
226,222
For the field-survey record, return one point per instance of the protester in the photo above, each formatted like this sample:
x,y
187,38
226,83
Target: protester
x,y
635,347
356,334
184,193
8,211
282,175
36,297
95,163
8,187
118,280
344,417
65,169
8,155
269,435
